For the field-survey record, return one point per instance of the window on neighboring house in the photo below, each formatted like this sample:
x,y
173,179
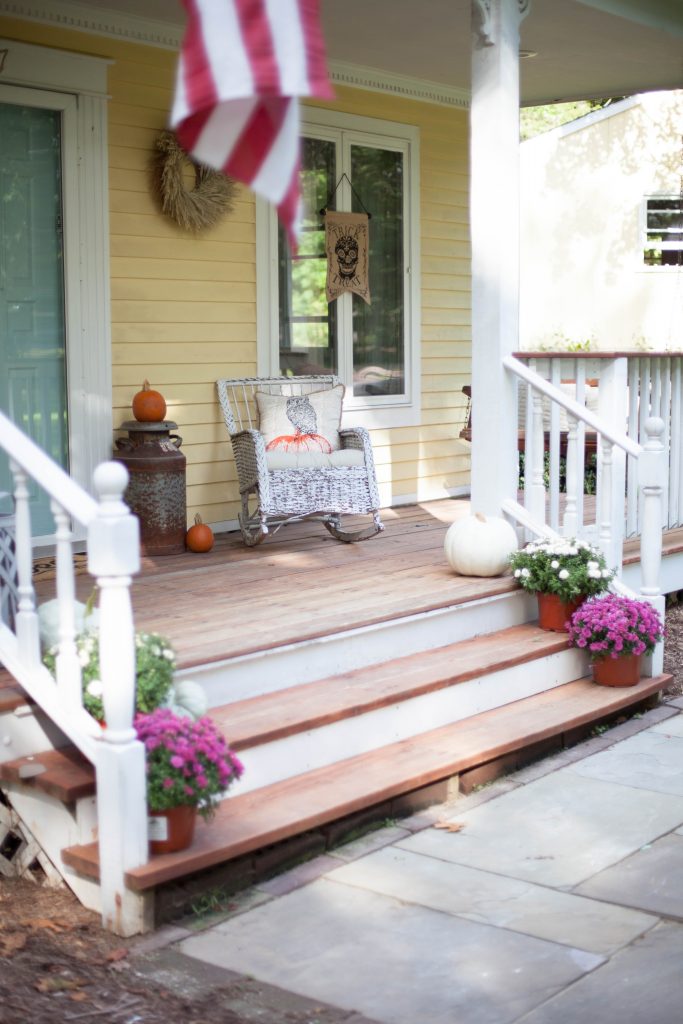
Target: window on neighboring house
x,y
372,348
663,243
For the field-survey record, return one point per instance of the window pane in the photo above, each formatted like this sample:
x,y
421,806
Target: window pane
x,y
378,330
664,234
308,327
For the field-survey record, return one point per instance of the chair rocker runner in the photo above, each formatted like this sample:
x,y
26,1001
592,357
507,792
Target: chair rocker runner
x,y
293,460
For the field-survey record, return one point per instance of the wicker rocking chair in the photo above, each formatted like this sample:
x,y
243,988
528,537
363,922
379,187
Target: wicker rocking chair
x,y
272,494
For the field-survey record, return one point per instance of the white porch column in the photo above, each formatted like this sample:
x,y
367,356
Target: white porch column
x,y
494,212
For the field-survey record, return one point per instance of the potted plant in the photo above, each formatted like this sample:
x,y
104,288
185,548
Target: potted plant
x,y
154,667
616,631
189,765
562,573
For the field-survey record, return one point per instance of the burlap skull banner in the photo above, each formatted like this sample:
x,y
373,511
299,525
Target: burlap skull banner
x,y
346,247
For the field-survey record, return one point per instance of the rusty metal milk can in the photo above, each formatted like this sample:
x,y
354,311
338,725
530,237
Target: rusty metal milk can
x,y
156,490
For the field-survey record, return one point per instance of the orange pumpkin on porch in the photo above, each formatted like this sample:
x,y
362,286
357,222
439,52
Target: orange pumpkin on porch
x,y
199,538
149,406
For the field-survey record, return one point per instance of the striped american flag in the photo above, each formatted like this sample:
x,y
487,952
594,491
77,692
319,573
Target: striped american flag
x,y
243,64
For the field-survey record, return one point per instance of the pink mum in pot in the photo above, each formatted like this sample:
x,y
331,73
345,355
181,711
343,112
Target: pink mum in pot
x,y
612,626
188,762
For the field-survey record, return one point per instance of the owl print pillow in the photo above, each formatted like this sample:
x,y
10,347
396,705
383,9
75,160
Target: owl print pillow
x,y
301,423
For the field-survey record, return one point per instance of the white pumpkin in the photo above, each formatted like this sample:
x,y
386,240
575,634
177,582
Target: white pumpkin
x,y
480,545
187,699
48,621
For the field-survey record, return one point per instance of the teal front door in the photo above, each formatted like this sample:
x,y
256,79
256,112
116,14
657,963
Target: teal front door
x,y
33,386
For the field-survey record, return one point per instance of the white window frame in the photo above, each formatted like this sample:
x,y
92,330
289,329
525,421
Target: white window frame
x,y
368,411
76,86
647,242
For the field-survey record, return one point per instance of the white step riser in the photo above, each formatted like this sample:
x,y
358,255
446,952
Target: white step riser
x,y
359,734
293,664
27,731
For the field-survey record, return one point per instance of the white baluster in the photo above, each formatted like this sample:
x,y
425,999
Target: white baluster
x,y
612,406
113,555
579,372
665,414
26,621
605,504
570,521
68,667
676,448
634,434
652,471
537,502
554,460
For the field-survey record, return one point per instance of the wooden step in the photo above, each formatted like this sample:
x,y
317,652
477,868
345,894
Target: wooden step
x,y
257,819
12,695
257,720
64,773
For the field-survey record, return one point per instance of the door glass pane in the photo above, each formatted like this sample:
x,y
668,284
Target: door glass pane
x,y
378,334
308,326
32,331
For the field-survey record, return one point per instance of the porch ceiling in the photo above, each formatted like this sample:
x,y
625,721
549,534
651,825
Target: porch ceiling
x,y
581,49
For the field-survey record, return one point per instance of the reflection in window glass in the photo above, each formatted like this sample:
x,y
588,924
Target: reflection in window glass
x,y
308,326
378,329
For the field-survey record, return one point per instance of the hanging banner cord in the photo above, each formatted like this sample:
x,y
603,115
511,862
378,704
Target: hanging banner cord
x,y
323,210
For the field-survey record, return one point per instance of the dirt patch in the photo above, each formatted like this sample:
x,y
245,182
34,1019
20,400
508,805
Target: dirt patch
x,y
673,646
57,965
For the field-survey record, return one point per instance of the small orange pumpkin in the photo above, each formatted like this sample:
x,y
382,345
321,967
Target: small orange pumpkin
x,y
149,406
199,537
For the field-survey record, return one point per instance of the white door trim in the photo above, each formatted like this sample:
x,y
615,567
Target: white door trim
x,y
86,235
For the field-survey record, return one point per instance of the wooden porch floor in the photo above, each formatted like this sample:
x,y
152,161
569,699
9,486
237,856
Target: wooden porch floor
x,y
301,584
298,584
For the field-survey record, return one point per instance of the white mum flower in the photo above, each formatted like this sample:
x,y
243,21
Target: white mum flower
x,y
554,564
156,650
605,573
517,573
168,653
592,566
563,574
95,688
83,658
594,574
526,573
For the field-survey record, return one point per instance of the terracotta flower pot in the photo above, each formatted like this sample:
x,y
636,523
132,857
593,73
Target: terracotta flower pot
x,y
553,613
622,671
172,830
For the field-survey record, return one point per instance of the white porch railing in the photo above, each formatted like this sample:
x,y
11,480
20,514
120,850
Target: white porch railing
x,y
544,514
625,389
113,555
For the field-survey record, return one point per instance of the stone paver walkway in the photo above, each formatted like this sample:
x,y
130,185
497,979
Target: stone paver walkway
x,y
560,900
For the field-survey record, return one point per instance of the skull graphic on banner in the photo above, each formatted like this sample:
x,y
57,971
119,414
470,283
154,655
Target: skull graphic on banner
x,y
346,248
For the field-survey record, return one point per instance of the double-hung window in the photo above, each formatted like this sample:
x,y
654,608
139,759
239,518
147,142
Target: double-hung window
x,y
349,164
663,223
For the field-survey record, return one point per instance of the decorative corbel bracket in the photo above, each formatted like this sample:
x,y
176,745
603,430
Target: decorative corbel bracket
x,y
483,22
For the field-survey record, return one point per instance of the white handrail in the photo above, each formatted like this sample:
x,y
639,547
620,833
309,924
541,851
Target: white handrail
x,y
51,477
577,410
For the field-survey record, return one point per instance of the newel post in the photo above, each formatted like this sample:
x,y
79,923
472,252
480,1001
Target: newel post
x,y
652,468
113,555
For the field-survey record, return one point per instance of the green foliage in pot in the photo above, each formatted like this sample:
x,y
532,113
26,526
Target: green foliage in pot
x,y
567,568
154,667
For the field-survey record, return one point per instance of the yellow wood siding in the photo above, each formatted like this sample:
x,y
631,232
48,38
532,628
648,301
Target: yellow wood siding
x,y
184,308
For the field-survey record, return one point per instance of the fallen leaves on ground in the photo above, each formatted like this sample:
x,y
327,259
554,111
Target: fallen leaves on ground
x,y
11,943
451,826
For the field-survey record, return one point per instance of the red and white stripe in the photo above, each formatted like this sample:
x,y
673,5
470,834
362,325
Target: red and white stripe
x,y
243,64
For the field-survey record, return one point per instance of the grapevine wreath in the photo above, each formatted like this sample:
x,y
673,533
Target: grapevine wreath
x,y
197,208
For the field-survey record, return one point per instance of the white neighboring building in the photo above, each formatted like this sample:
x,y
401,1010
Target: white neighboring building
x,y
602,229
